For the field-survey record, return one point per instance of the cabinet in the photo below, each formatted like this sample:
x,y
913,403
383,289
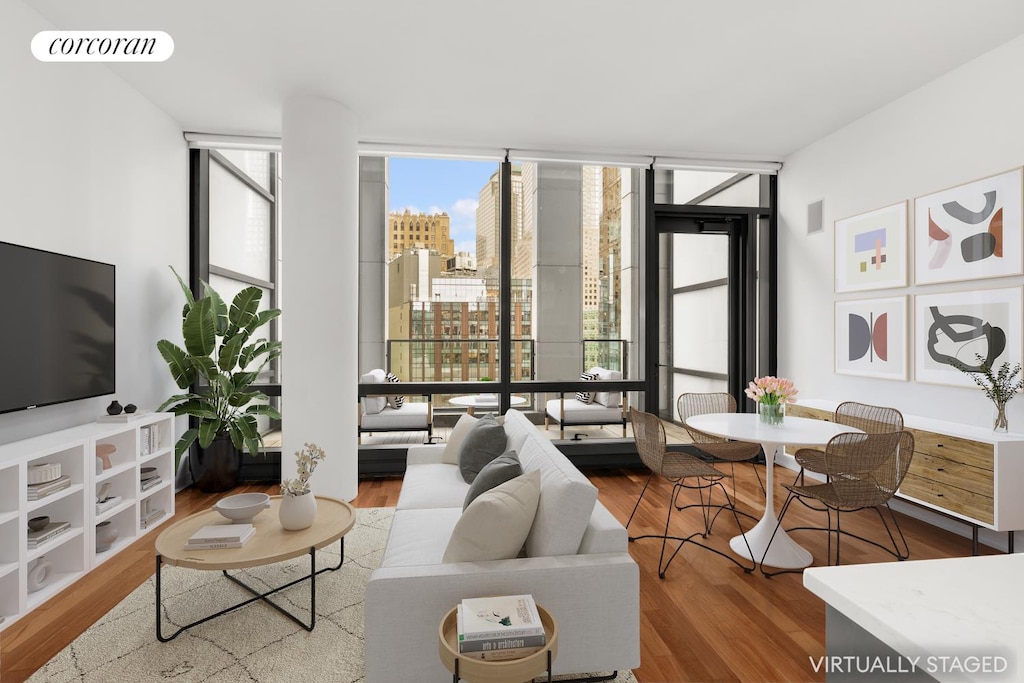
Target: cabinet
x,y
965,472
144,442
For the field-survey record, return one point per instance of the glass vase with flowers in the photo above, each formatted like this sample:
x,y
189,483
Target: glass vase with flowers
x,y
771,394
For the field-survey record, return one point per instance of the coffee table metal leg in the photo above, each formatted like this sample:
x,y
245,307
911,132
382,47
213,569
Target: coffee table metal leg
x,y
256,595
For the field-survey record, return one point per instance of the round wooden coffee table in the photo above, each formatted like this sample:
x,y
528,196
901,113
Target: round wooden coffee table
x,y
500,671
271,543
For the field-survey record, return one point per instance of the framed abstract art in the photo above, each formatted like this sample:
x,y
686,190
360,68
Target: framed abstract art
x,y
971,231
871,338
960,326
871,250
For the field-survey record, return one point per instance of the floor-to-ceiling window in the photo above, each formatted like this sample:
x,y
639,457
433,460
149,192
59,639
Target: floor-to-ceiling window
x,y
235,241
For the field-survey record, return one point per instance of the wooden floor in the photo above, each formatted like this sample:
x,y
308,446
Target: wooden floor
x,y
705,621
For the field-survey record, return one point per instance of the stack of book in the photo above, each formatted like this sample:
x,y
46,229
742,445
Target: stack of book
x,y
150,517
501,627
37,538
149,479
150,437
220,536
37,491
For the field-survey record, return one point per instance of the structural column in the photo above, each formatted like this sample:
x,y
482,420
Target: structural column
x,y
320,278
558,277
373,216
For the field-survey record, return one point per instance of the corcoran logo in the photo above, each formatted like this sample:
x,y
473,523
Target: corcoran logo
x,y
102,46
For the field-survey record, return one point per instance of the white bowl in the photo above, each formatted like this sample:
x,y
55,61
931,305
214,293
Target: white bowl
x,y
243,507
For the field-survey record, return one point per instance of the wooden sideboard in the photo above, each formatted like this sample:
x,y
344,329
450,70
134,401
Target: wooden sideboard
x,y
964,472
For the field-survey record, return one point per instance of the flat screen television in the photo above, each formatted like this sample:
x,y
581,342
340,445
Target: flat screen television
x,y
57,331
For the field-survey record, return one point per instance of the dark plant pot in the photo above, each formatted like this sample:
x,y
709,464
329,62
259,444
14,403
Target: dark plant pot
x,y
215,468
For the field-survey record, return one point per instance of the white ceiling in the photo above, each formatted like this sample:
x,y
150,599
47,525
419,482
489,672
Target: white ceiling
x,y
746,79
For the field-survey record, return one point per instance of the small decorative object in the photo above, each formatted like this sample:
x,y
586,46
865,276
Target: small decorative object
x,y
130,408
243,507
104,492
106,534
38,573
43,472
38,523
114,408
103,452
999,386
99,465
298,504
772,394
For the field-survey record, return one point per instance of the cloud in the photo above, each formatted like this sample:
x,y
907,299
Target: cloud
x,y
465,207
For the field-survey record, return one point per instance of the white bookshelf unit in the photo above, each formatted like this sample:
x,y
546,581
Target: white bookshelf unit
x,y
142,441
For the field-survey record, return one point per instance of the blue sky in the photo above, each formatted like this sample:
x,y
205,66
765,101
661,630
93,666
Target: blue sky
x,y
436,185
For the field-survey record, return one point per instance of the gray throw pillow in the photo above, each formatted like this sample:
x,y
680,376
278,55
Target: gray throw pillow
x,y
485,442
503,468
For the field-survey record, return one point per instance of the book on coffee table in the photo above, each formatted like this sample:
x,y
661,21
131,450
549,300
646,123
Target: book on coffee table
x,y
220,536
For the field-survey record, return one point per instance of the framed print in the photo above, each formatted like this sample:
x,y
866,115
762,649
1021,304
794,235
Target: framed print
x,y
962,326
871,249
969,232
871,338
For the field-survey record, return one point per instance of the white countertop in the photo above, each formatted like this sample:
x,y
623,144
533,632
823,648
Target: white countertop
x,y
954,607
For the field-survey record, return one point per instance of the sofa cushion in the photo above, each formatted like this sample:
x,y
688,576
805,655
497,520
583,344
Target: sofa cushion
x,y
455,439
496,524
485,442
566,500
394,401
418,537
409,416
582,413
373,404
432,485
586,396
503,468
610,399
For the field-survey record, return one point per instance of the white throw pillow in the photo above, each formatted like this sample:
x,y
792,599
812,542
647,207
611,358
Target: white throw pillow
x,y
495,525
373,404
609,399
455,439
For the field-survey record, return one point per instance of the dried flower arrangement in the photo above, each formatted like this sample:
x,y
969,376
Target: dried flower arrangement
x,y
306,461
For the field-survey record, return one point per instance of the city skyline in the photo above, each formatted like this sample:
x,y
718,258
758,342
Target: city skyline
x,y
432,186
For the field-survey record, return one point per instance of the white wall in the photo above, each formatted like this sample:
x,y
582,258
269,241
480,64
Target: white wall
x,y
963,126
93,169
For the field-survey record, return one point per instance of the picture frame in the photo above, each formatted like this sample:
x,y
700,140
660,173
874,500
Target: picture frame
x,y
871,250
871,338
971,231
960,324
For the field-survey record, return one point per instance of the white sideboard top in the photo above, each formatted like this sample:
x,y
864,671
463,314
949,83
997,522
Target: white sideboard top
x,y
929,424
956,607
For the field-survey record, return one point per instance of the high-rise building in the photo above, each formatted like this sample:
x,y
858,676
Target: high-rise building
x,y
419,231
488,243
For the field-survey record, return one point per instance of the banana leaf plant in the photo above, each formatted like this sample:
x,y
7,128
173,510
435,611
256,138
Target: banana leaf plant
x,y
221,353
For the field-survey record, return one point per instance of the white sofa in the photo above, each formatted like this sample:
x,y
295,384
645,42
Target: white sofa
x,y
576,563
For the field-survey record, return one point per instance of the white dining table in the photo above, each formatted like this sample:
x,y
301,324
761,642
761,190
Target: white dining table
x,y
784,553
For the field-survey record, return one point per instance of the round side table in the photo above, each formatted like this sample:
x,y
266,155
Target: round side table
x,y
500,671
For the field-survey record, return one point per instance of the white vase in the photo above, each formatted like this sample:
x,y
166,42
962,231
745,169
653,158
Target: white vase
x,y
297,512
38,574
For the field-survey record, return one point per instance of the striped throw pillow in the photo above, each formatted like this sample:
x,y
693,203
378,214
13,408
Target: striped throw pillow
x,y
586,396
394,401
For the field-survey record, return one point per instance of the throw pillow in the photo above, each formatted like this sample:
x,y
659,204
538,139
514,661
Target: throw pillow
x,y
495,525
586,396
485,442
503,468
395,402
455,439
373,404
609,399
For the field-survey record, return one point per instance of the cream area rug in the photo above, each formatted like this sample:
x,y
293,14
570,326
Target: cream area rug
x,y
252,644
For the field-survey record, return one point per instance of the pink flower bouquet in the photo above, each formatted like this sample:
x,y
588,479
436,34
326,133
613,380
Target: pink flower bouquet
x,y
771,390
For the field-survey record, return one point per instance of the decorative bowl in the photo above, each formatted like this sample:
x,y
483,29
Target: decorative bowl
x,y
243,507
43,472
38,523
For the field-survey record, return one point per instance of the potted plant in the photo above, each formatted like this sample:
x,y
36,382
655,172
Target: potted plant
x,y
220,356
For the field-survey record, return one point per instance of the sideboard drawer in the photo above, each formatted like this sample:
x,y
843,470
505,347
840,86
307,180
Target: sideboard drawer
x,y
968,452
948,472
953,499
797,410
